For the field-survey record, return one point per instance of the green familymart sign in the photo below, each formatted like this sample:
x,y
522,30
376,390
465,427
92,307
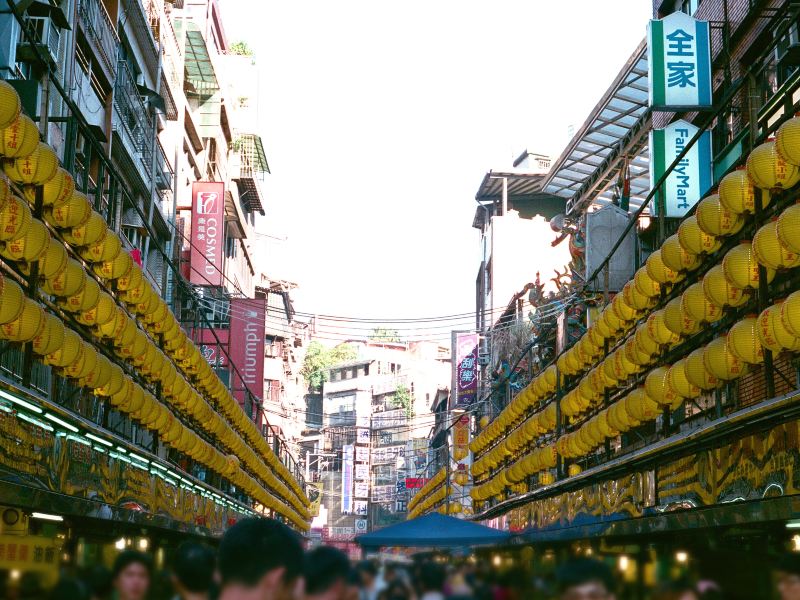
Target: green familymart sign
x,y
679,62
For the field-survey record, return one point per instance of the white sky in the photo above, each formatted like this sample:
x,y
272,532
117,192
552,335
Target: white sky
x,y
380,119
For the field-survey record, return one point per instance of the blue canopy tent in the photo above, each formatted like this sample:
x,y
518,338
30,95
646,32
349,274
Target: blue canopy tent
x,y
434,530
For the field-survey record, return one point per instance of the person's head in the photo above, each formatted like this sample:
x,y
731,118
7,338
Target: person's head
x,y
367,572
431,577
585,579
98,579
389,573
397,590
788,577
326,572
131,575
261,557
193,569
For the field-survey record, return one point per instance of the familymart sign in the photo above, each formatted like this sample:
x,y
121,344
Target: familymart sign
x,y
679,62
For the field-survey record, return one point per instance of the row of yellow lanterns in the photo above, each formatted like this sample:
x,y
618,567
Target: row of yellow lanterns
x,y
28,240
428,502
429,486
776,245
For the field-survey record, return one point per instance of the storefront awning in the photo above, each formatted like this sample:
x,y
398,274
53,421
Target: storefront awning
x,y
200,77
616,128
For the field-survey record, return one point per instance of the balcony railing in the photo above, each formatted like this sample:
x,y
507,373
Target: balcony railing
x,y
133,119
101,33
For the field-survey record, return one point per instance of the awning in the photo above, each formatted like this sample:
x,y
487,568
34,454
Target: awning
x,y
200,76
252,166
615,129
524,194
434,530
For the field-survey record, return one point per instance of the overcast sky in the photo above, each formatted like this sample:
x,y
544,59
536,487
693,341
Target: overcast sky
x,y
380,119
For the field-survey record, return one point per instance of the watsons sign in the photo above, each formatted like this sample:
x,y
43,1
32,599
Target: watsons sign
x,y
679,62
691,178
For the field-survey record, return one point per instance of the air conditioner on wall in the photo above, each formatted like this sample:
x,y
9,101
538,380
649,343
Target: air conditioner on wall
x,y
46,41
13,521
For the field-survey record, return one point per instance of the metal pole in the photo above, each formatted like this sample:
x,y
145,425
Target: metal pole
x,y
505,196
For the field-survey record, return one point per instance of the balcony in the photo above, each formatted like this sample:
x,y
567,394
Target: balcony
x,y
101,35
132,122
248,165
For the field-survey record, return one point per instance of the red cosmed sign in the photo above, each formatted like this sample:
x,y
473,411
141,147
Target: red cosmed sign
x,y
248,317
208,225
415,483
465,369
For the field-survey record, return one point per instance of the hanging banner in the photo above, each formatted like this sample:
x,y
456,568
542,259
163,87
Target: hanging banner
x,y
461,437
692,178
213,345
679,62
315,492
248,319
465,369
208,227
347,479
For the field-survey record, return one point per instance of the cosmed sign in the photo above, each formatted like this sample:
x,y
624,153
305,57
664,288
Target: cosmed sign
x,y
465,369
688,181
208,223
679,62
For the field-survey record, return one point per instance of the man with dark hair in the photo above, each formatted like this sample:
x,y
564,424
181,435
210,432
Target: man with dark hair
x,y
260,559
193,571
371,587
131,575
585,579
327,574
431,579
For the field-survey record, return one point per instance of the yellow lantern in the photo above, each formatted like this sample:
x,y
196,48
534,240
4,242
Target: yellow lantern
x,y
715,219
52,262
741,267
736,193
624,311
100,374
694,240
657,387
677,321
115,268
10,104
36,168
83,365
743,341
67,353
647,345
635,354
772,333
657,329
697,307
645,284
89,233
623,367
676,257
641,406
19,138
130,280
697,373
27,325
788,228
15,218
54,191
104,250
768,170
787,142
68,282
113,327
790,313
635,299
85,299
658,271
114,384
721,363
610,319
679,382
11,299
769,250
102,313
30,246
51,336
73,212
720,292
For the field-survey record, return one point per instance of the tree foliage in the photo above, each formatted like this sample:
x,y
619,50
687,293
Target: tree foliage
x,y
403,399
240,48
383,334
319,359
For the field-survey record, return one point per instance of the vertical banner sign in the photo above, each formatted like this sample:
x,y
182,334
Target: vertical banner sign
x,y
461,438
347,479
679,62
691,179
465,369
248,320
208,226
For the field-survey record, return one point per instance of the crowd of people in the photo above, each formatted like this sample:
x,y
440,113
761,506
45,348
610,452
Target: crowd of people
x,y
262,559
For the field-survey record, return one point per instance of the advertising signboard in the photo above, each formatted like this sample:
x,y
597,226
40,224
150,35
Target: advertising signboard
x,y
208,230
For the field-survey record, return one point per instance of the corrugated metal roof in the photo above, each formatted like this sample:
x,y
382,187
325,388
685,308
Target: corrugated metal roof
x,y
616,128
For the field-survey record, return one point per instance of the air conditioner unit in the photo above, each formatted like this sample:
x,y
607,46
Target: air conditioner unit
x,y
13,521
46,41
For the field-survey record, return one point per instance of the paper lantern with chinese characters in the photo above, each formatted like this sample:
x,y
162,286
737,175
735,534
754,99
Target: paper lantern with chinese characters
x,y
720,291
30,245
75,211
84,299
99,375
788,228
741,266
721,362
743,341
678,321
697,373
114,384
660,272
105,249
89,233
676,257
770,251
790,313
623,367
624,311
15,218
27,325
50,338
67,352
737,193
641,406
715,219
656,384
52,261
769,171
68,282
10,105
787,141
635,299
11,299
657,329
772,333
36,168
82,366
646,344
102,313
694,240
114,268
697,307
646,285
20,138
56,190
679,382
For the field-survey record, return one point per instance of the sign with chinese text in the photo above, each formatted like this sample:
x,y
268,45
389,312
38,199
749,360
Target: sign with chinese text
x,y
362,472
361,526
362,435
362,454
347,479
314,491
461,436
208,227
679,62
360,507
362,489
465,369
248,320
415,483
692,178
